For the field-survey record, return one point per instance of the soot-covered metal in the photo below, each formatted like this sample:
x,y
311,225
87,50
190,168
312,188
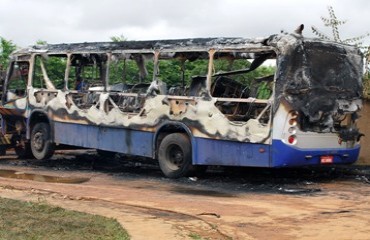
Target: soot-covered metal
x,y
322,80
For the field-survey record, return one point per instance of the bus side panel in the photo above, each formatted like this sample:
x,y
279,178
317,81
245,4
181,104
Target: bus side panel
x,y
230,153
284,155
111,139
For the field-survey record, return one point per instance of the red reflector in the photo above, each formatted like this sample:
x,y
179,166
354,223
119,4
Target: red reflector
x,y
326,159
292,139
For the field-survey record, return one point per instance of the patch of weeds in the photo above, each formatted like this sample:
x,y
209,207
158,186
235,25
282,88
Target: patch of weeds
x,y
27,220
195,236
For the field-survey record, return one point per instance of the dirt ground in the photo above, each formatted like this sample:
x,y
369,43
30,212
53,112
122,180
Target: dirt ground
x,y
310,203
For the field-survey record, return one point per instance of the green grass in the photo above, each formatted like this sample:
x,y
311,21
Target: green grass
x,y
195,236
26,220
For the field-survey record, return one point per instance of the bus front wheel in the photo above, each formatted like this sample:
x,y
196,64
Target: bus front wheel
x,y
41,144
174,156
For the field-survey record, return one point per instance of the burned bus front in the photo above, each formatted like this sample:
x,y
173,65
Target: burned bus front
x,y
318,96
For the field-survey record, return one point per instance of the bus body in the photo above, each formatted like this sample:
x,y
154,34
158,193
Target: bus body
x,y
189,103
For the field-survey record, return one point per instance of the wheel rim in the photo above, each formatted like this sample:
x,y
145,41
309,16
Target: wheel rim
x,y
175,156
38,141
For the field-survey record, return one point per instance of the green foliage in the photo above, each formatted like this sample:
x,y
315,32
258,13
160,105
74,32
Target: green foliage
x,y
258,89
55,68
128,72
6,48
41,42
174,71
119,38
195,236
18,79
264,90
26,220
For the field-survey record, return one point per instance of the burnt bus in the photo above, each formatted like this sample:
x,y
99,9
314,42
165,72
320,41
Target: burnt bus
x,y
188,103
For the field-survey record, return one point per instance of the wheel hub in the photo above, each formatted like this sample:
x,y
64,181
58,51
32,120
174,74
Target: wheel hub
x,y
176,155
38,141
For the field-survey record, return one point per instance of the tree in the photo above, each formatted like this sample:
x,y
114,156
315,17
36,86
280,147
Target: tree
x,y
119,38
41,42
6,48
333,22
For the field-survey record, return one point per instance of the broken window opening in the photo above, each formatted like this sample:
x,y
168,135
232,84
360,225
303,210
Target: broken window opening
x,y
242,75
87,78
49,75
17,84
130,72
129,79
183,73
49,71
89,70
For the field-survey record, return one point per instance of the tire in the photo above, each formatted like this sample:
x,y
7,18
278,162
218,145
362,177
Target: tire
x,y
175,156
41,144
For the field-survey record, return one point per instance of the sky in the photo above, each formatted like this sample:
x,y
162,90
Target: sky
x,y
66,21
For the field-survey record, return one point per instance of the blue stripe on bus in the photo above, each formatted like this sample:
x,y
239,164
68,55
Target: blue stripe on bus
x,y
229,153
106,138
283,155
205,151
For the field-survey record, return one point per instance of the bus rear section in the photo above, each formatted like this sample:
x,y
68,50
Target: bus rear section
x,y
291,146
318,90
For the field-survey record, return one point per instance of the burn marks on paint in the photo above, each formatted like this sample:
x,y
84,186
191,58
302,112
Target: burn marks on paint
x,y
322,80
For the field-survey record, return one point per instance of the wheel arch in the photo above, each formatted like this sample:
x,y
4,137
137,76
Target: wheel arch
x,y
35,117
167,128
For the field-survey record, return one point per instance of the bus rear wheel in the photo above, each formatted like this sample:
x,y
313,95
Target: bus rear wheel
x,y
41,144
174,156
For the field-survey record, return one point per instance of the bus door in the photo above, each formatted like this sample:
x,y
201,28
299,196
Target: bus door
x,y
14,105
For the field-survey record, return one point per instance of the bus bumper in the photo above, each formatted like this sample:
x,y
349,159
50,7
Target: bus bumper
x,y
283,155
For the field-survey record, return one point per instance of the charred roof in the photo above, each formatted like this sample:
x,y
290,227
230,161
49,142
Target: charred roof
x,y
150,45
281,43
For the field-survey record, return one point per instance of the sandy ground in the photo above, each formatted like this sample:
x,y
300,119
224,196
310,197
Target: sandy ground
x,y
249,204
